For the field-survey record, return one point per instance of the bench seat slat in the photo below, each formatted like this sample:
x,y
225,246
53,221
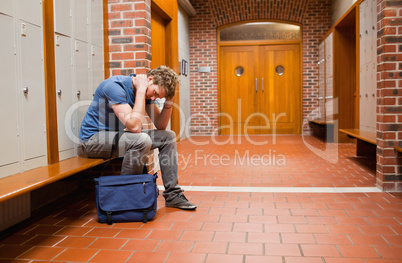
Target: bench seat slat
x,y
361,135
14,185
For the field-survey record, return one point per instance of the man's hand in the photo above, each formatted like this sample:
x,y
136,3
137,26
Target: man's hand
x,y
140,82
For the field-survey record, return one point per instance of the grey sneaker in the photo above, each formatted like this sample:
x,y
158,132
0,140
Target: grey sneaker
x,y
181,202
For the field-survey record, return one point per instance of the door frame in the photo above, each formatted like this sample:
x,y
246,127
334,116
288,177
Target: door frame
x,y
168,10
261,43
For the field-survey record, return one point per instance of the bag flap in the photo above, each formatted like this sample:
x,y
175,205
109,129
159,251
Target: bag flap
x,y
126,192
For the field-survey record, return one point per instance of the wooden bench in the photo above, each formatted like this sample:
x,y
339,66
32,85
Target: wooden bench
x,y
324,129
366,141
18,184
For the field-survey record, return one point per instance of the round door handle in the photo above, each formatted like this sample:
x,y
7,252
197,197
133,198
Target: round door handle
x,y
59,92
25,90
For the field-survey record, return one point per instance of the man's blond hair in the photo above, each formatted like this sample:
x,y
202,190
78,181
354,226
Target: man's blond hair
x,y
165,77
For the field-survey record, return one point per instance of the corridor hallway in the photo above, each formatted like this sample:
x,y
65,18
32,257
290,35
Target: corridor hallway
x,y
275,202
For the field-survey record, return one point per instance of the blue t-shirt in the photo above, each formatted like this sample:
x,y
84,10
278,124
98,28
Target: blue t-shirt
x,y
100,115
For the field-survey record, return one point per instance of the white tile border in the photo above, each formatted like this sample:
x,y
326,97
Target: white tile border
x,y
280,189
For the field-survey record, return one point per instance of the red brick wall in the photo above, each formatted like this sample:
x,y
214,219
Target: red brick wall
x,y
314,15
389,94
129,36
130,50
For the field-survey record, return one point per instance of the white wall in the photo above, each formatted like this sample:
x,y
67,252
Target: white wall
x,y
339,7
184,53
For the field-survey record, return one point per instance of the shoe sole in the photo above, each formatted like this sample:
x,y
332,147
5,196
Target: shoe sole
x,y
182,207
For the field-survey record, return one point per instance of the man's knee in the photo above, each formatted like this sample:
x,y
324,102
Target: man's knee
x,y
142,141
170,136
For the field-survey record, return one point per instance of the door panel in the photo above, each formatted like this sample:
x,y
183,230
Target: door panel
x,y
97,22
158,40
261,101
238,93
63,59
80,20
9,107
62,18
34,112
31,11
280,98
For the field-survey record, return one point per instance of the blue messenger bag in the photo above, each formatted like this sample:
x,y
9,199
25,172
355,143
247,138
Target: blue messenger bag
x,y
126,198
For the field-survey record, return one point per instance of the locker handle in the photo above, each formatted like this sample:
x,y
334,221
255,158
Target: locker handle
x,y
256,83
59,92
262,84
78,93
25,90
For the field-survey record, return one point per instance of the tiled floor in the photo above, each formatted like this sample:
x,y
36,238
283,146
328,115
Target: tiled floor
x,y
236,226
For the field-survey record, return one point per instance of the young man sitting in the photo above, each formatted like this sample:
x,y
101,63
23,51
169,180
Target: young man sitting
x,y
120,102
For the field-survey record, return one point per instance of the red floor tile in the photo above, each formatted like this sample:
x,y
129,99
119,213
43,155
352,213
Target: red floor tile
x,y
235,226
154,257
76,255
319,250
42,253
115,256
263,259
219,258
186,257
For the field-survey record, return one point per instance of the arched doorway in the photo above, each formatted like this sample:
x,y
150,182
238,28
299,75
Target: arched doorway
x,y
260,78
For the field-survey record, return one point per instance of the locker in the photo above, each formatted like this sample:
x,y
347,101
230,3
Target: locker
x,y
96,25
9,106
368,31
97,69
362,35
31,11
33,101
321,81
62,17
374,30
64,98
80,20
7,7
82,87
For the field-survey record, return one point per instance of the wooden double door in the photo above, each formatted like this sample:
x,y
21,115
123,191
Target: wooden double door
x,y
260,89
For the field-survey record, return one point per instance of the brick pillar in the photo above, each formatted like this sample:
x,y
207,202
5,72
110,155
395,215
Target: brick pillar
x,y
389,95
129,36
130,43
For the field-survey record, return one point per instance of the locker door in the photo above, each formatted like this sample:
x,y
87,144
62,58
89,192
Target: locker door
x,y
321,81
33,103
363,101
368,31
64,92
31,11
329,107
62,17
9,106
363,45
97,71
97,22
372,101
82,87
374,29
7,7
80,20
